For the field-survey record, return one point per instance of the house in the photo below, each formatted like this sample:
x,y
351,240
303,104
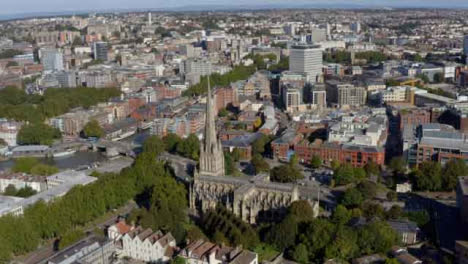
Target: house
x,y
203,252
407,230
147,245
118,230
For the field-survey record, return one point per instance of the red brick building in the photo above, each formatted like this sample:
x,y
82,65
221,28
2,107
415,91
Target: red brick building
x,y
164,92
282,147
357,156
414,117
225,97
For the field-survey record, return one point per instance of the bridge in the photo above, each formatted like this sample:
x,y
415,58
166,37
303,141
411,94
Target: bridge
x,y
114,148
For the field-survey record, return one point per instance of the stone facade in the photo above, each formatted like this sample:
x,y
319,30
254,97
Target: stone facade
x,y
250,198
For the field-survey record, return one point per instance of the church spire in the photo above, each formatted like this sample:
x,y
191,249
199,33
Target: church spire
x,y
211,151
210,126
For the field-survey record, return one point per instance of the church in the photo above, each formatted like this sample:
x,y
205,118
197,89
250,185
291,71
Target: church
x,y
253,199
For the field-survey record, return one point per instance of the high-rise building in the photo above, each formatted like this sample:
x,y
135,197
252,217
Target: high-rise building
x,y
355,27
100,51
52,60
150,22
307,59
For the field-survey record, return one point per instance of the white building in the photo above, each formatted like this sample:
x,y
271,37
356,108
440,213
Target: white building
x,y
307,59
146,245
395,94
202,252
52,60
8,131
21,180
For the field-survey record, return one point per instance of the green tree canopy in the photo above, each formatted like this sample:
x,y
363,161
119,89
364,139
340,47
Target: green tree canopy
x,y
285,173
154,145
38,134
315,162
93,129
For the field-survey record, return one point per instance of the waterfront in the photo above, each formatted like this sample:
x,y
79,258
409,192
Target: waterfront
x,y
74,161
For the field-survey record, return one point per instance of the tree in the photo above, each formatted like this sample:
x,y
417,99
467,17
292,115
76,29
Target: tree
x,y
300,254
335,164
301,210
259,145
341,215
10,190
93,129
395,212
38,134
44,170
283,235
229,164
293,160
259,164
428,177
398,165
344,245
26,192
285,173
371,210
171,141
178,260
220,239
377,237
372,168
452,170
154,145
352,198
316,162
189,147
223,112
70,237
25,164
368,189
344,174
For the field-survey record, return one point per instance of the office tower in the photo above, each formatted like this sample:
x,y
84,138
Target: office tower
x,y
307,59
52,60
328,29
356,27
149,19
100,51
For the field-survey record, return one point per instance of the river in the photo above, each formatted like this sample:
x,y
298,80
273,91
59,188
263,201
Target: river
x,y
70,162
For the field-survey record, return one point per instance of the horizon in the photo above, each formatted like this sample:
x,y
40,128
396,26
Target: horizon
x,y
49,8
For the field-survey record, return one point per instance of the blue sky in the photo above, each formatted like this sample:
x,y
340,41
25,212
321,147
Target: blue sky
x,y
28,6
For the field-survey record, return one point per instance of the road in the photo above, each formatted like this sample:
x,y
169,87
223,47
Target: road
x,y
47,251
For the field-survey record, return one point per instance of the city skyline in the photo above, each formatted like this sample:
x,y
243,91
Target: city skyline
x,y
49,7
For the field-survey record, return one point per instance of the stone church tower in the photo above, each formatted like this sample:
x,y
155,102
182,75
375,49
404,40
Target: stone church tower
x,y
211,151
